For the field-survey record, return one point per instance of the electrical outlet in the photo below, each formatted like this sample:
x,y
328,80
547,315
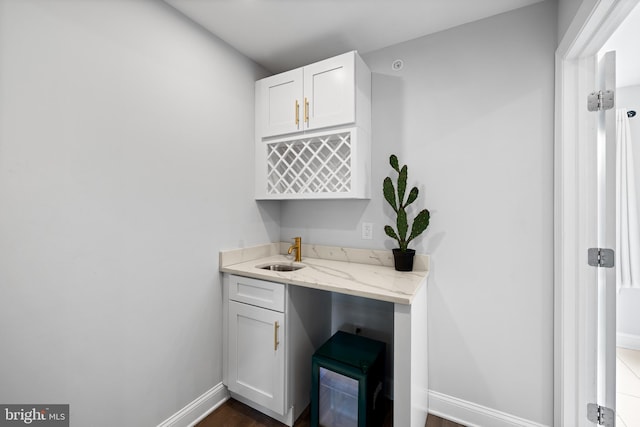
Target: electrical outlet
x,y
367,230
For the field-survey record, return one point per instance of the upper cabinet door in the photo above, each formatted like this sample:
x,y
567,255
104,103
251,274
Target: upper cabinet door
x,y
313,97
329,92
279,103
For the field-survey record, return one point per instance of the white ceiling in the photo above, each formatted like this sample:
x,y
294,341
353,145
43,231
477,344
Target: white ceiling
x,y
626,42
286,34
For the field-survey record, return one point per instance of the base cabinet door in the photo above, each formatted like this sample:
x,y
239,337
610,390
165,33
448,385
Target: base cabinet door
x,y
256,355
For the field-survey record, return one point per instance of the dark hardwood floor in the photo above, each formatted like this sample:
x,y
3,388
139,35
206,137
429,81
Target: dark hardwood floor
x,y
235,414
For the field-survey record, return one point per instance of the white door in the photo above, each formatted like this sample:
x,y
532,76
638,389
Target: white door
x,y
584,368
256,355
329,92
606,286
280,103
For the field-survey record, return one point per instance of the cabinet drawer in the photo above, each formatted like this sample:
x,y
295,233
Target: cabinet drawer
x,y
257,292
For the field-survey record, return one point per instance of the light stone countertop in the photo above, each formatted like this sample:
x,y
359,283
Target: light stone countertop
x,y
359,272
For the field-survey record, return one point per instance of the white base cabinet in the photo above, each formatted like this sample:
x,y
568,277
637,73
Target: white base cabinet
x,y
256,354
271,330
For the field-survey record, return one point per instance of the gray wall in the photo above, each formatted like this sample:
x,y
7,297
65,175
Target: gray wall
x,y
472,115
567,10
124,145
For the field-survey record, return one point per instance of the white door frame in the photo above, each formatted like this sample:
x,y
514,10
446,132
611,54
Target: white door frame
x,y
575,207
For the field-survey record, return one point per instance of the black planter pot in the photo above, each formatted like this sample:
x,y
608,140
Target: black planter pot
x,y
403,259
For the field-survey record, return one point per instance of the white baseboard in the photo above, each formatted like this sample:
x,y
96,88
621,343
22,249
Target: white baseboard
x,y
197,410
471,414
629,341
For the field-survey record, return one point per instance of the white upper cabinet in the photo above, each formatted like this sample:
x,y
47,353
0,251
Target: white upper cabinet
x,y
319,95
313,127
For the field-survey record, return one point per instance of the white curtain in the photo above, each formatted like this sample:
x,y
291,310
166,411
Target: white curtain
x,y
627,219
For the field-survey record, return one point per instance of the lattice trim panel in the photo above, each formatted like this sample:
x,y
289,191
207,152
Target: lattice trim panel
x,y
316,164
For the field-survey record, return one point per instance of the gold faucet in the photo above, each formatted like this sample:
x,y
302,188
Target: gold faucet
x,y
298,248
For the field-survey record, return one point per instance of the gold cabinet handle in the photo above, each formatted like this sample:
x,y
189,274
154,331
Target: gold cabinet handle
x,y
297,113
306,111
275,335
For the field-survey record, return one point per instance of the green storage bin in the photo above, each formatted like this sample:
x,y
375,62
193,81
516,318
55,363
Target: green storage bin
x,y
346,388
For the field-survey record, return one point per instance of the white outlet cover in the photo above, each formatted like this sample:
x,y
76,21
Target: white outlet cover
x,y
367,230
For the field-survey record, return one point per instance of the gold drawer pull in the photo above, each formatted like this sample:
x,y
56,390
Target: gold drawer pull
x,y
275,336
297,113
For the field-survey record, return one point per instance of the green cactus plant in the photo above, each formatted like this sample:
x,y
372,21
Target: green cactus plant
x,y
399,205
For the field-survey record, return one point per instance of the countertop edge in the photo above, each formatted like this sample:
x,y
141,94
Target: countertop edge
x,y
326,287
369,280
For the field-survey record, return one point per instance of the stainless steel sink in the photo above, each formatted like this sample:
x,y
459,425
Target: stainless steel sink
x,y
281,267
